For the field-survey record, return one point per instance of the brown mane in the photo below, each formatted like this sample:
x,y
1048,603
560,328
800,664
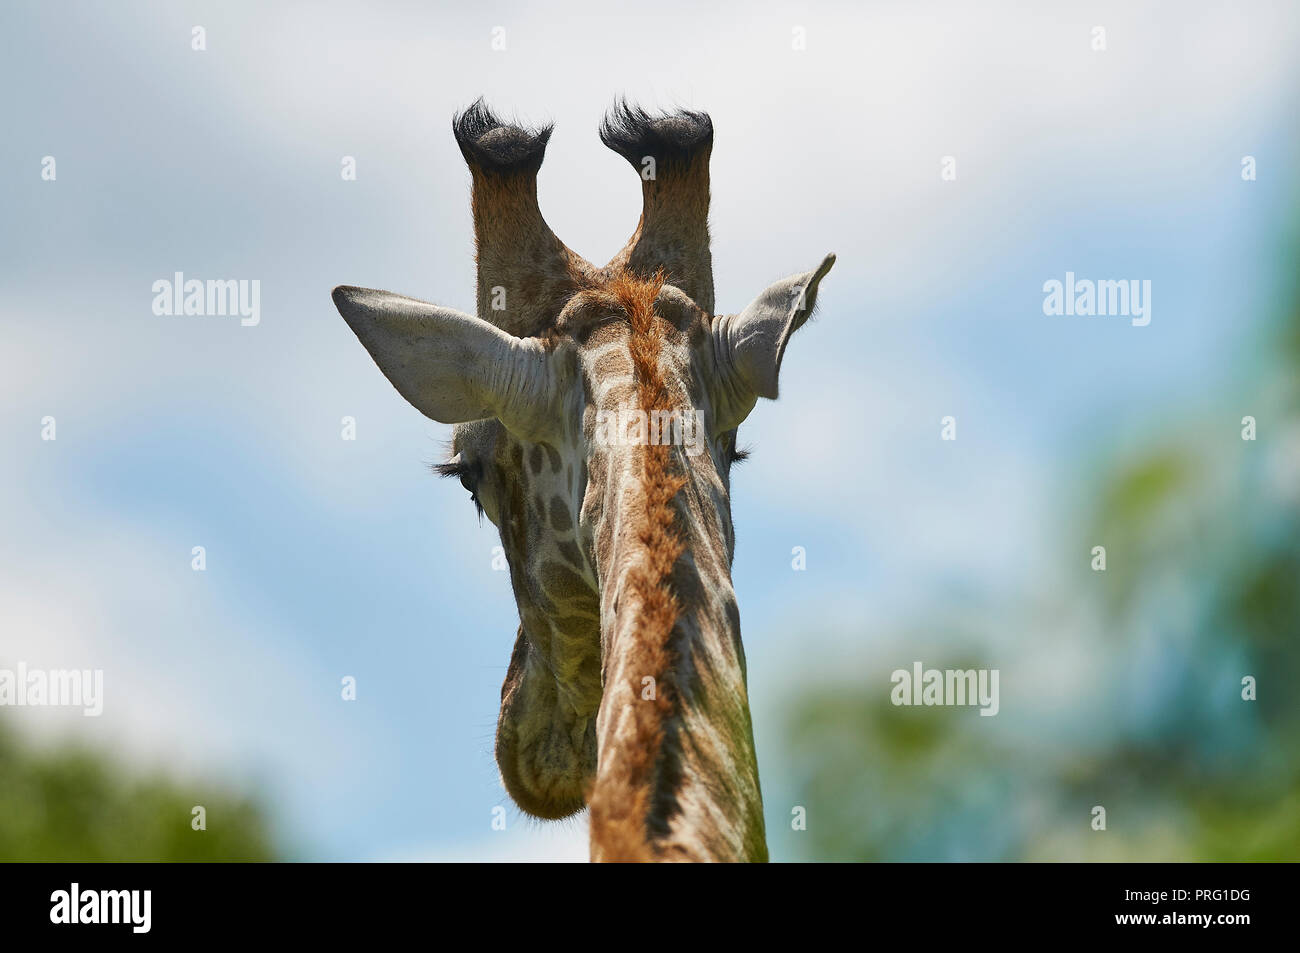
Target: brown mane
x,y
620,813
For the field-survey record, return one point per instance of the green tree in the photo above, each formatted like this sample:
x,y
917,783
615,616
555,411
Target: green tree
x,y
71,804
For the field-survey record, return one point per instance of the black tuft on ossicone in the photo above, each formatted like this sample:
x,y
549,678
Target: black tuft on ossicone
x,y
493,145
672,137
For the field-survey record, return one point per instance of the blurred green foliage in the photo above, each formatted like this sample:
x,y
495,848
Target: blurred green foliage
x,y
1201,589
70,804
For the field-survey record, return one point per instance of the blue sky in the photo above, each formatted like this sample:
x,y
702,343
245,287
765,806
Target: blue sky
x,y
329,558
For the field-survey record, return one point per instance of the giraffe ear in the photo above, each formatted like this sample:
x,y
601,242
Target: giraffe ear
x,y
750,345
452,366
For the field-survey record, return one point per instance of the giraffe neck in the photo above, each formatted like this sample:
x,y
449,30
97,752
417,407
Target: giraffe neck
x,y
676,774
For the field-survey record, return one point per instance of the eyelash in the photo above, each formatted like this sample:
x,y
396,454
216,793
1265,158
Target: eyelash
x,y
468,474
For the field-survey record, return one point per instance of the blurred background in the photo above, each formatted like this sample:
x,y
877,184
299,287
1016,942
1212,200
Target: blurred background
x,y
328,558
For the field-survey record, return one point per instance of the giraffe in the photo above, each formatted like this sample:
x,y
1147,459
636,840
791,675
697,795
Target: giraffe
x,y
595,413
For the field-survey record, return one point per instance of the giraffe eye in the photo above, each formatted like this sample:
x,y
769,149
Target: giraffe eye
x,y
734,453
468,474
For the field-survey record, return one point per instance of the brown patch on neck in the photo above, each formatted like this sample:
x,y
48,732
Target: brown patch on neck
x,y
621,804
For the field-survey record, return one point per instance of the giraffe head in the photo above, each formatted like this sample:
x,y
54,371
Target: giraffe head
x,y
595,414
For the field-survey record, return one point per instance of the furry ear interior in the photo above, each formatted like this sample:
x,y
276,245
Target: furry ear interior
x,y
751,345
452,366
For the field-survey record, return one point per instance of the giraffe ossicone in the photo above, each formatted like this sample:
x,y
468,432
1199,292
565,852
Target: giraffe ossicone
x,y
626,691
